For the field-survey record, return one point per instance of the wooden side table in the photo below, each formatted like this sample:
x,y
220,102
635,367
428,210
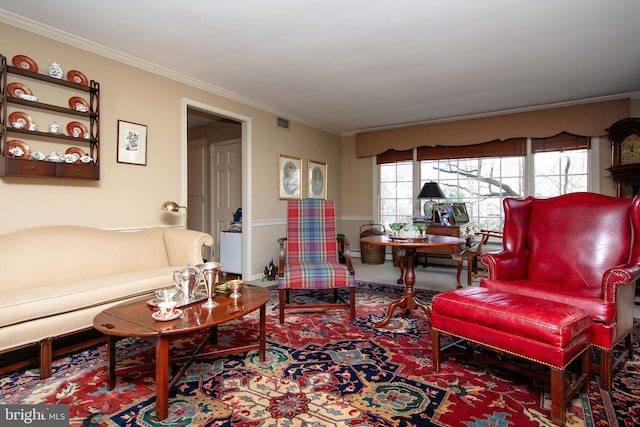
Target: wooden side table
x,y
461,231
406,249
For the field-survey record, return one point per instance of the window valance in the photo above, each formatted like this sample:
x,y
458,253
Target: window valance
x,y
562,142
587,120
510,147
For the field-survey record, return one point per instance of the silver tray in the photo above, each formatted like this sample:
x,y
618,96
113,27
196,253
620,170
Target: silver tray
x,y
181,302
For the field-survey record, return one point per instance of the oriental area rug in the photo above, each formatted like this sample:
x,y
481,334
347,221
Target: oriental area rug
x,y
321,370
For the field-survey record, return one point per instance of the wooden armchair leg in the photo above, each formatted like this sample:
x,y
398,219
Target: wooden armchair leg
x,y
282,296
352,303
435,350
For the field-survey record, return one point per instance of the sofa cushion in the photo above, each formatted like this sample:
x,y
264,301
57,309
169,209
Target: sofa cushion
x,y
73,253
24,304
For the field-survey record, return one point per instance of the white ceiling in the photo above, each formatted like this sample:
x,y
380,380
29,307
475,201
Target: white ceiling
x,y
346,65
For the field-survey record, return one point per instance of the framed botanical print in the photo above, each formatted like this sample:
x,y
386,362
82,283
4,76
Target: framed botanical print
x,y
132,143
289,177
317,180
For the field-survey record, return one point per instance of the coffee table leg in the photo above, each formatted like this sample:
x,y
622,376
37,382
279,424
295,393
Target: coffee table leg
x,y
213,335
162,378
111,361
263,334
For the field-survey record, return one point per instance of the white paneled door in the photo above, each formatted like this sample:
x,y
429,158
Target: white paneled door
x,y
198,178
226,191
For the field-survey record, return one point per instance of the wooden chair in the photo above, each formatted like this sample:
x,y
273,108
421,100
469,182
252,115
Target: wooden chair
x,y
474,251
309,256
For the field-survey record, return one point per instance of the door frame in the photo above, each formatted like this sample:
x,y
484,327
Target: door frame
x,y
246,171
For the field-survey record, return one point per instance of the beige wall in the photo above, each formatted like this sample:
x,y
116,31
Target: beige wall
x,y
129,196
359,191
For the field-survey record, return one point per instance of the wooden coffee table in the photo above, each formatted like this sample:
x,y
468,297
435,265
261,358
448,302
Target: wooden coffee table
x,y
133,319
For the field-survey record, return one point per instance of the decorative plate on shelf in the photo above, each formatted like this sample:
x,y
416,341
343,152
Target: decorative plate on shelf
x,y
24,62
77,130
22,119
17,149
78,104
17,89
77,77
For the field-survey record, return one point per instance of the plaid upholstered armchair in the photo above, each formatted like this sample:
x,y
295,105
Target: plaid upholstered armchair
x,y
309,256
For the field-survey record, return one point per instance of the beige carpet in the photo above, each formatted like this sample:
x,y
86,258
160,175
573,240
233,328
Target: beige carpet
x,y
434,277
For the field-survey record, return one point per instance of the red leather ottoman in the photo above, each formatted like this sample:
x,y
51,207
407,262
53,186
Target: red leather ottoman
x,y
542,331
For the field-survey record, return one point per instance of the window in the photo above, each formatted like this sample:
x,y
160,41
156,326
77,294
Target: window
x,y
560,172
483,175
396,192
480,183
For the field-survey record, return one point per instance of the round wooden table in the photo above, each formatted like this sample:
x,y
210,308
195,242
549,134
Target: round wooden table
x,y
133,319
406,249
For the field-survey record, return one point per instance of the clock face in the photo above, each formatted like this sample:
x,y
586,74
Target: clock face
x,y
630,149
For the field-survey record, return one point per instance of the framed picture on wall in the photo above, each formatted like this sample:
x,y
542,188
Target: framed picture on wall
x,y
317,180
289,177
132,143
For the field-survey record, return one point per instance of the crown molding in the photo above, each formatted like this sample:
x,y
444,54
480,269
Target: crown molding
x,y
614,97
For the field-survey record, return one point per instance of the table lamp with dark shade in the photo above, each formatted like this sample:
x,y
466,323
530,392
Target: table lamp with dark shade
x,y
430,190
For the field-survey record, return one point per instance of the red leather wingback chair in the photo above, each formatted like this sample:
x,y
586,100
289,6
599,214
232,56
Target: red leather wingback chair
x,y
582,249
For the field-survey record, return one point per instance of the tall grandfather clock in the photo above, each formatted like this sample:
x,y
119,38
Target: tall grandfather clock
x,y
625,170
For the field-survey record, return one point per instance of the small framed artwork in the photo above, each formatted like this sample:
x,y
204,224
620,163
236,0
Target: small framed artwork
x,y
443,214
317,180
289,177
460,213
132,143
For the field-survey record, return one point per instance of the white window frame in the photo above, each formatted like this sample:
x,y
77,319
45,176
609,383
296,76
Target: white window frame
x,y
593,176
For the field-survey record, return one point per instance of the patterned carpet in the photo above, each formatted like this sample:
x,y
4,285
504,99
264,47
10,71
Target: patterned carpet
x,y
320,371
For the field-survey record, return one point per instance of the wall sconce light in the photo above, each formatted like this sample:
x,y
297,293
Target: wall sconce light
x,y
170,206
430,190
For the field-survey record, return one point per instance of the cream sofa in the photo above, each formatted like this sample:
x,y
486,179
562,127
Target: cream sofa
x,y
55,279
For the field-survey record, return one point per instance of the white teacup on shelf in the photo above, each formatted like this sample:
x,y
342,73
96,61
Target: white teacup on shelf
x,y
55,128
71,158
16,151
55,157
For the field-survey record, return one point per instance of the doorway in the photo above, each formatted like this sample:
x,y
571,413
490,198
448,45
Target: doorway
x,y
215,165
